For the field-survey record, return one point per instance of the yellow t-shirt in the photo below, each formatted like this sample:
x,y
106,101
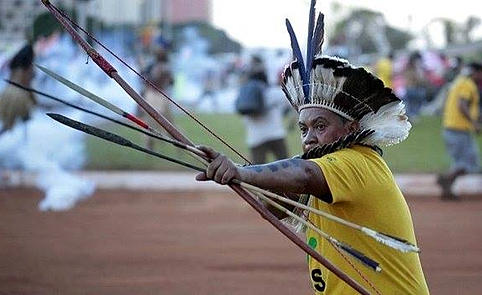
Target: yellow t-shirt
x,y
364,192
383,69
462,88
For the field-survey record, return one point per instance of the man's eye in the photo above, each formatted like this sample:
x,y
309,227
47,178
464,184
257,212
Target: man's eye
x,y
303,130
320,127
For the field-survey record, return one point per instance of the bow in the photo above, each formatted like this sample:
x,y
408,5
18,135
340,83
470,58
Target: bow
x,y
176,134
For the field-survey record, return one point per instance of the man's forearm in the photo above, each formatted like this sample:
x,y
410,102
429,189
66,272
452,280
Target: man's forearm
x,y
287,176
290,175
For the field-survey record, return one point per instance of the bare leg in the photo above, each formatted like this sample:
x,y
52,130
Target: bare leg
x,y
258,154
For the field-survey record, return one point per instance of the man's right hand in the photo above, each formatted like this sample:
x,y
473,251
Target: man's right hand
x,y
221,169
477,127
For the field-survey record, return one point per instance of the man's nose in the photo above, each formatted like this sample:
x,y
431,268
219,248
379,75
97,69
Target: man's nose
x,y
310,138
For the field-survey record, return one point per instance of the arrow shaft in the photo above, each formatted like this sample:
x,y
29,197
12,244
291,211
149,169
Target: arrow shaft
x,y
154,135
115,138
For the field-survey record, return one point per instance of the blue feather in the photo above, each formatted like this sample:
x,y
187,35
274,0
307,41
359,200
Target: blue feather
x,y
318,36
309,50
299,58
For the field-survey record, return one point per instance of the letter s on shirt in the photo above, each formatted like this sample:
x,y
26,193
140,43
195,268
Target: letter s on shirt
x,y
318,282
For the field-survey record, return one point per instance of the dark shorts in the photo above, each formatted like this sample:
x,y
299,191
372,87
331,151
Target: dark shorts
x,y
462,149
277,147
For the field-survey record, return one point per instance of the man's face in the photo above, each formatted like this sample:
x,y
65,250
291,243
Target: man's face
x,y
320,126
477,76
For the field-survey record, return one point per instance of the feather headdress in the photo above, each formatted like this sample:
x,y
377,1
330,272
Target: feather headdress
x,y
336,85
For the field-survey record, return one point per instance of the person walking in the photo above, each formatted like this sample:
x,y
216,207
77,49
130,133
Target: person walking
x,y
460,122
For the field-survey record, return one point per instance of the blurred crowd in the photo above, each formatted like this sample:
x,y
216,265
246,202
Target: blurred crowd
x,y
249,85
248,79
421,79
453,90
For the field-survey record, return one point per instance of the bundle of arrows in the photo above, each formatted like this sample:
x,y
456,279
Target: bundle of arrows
x,y
254,196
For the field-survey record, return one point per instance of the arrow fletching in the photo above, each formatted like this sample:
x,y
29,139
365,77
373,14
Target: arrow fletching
x,y
390,241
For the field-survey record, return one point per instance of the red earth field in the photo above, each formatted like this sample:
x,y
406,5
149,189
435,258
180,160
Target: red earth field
x,y
153,243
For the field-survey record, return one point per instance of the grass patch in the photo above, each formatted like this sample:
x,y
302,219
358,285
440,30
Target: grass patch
x,y
423,151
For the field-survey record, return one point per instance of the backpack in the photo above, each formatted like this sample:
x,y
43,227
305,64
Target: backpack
x,y
250,100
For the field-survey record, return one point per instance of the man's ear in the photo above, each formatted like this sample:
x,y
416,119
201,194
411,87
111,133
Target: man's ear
x,y
352,126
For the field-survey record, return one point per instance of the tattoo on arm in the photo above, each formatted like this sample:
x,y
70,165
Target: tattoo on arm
x,y
257,168
273,167
290,175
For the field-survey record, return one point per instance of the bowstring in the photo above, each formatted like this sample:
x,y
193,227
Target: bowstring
x,y
152,85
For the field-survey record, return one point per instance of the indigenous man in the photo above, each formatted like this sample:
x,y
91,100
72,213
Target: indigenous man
x,y
16,104
460,121
345,115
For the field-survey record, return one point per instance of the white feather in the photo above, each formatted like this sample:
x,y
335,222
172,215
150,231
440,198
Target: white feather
x,y
390,123
390,242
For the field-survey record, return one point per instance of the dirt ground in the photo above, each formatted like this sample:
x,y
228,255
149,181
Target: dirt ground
x,y
151,243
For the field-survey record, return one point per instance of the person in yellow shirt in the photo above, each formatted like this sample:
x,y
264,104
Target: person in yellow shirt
x,y
345,114
460,121
384,69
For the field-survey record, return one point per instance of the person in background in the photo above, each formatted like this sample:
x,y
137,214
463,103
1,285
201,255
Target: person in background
x,y
160,74
209,89
479,87
17,104
384,69
460,121
415,84
454,70
265,131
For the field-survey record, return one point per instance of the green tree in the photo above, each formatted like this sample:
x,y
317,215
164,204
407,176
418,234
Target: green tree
x,y
471,23
449,31
45,24
219,41
363,23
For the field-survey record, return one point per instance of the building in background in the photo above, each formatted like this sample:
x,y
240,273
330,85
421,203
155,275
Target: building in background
x,y
141,12
190,10
17,16
172,12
